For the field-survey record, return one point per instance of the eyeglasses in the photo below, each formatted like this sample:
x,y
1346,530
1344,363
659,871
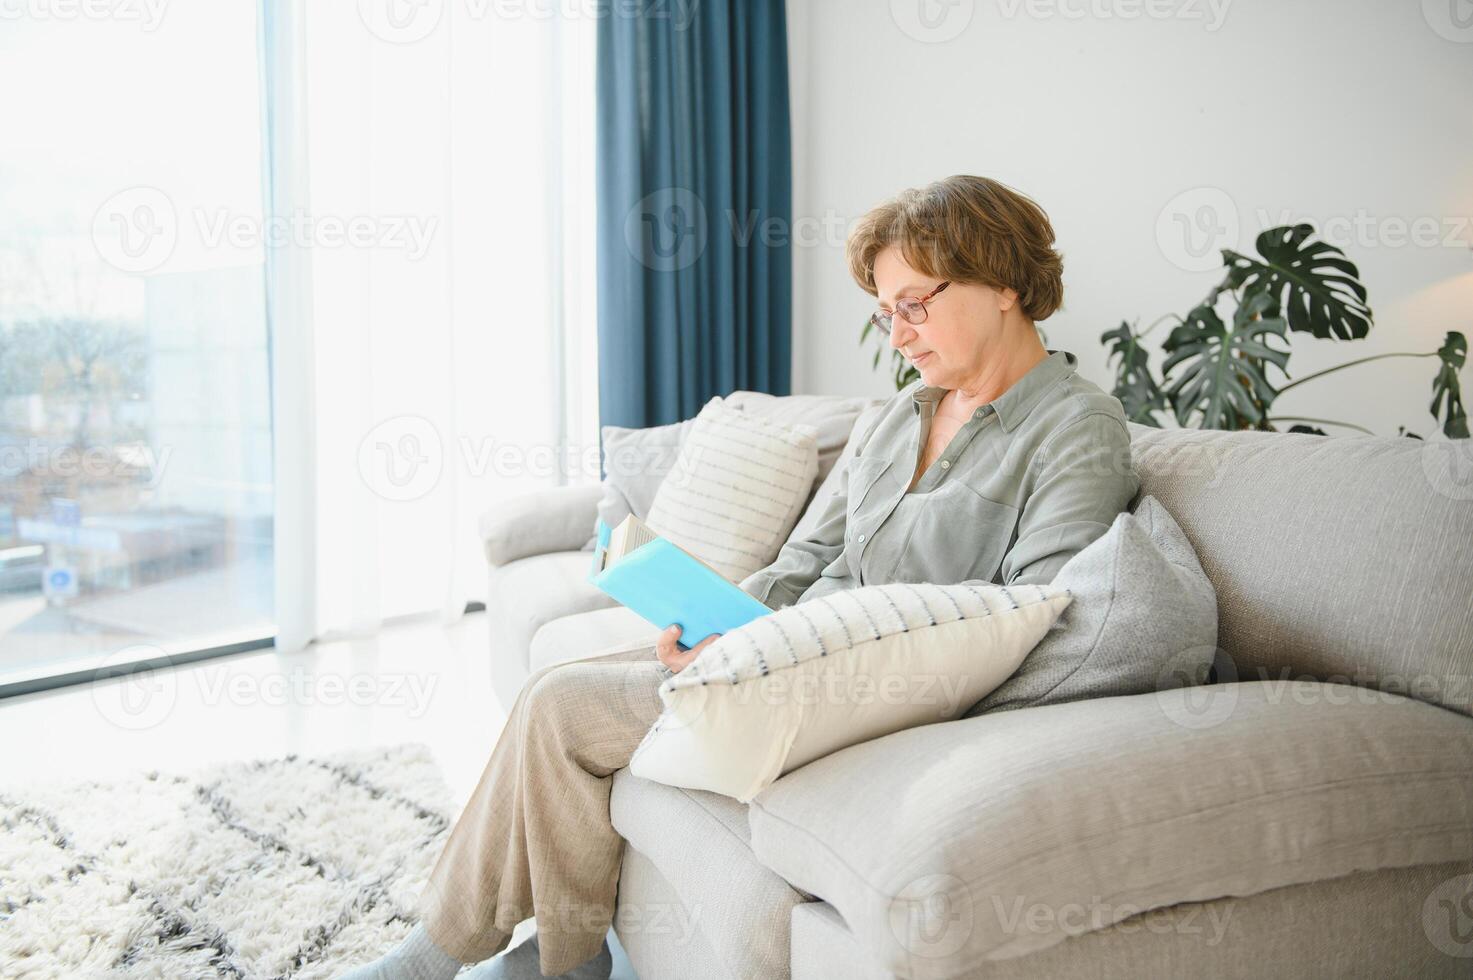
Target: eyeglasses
x,y
914,310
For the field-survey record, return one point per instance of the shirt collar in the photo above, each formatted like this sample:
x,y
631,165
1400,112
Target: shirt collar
x,y
1013,405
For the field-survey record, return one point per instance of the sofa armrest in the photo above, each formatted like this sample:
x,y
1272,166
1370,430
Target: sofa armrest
x,y
556,519
996,836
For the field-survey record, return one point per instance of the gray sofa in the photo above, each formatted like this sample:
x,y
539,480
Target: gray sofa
x,y
1308,814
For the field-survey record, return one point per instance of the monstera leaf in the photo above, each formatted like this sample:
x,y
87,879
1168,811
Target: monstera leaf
x,y
1447,389
1222,369
1135,386
1313,282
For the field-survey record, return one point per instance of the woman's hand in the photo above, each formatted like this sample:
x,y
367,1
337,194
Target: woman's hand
x,y
672,656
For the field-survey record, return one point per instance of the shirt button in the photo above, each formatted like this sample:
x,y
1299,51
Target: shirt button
x,y
861,537
946,464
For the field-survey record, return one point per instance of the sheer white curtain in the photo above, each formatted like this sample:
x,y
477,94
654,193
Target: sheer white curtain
x,y
432,297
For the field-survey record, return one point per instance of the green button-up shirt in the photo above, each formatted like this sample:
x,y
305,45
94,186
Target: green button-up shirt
x,y
1026,483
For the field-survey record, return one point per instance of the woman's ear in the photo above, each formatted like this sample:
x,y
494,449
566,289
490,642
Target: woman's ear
x,y
1007,298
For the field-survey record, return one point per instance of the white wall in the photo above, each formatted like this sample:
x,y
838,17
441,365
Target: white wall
x,y
1344,110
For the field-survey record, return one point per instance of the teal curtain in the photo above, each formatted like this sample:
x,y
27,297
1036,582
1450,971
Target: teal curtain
x,y
694,207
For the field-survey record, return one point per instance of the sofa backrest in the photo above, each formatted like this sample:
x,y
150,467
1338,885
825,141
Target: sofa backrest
x,y
1336,558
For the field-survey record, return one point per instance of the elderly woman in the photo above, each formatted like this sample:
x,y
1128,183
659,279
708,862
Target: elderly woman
x,y
998,465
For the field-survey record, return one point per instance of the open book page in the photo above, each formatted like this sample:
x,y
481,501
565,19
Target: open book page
x,y
632,533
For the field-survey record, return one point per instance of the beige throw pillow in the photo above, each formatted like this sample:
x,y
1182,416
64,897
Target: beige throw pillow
x,y
737,488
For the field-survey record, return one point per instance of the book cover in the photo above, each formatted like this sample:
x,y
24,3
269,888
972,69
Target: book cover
x,y
667,585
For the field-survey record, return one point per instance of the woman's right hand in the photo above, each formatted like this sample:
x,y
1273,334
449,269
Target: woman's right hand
x,y
671,655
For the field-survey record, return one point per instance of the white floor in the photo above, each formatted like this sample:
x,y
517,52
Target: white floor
x,y
419,682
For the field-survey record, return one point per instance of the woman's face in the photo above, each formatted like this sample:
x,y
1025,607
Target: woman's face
x,y
963,326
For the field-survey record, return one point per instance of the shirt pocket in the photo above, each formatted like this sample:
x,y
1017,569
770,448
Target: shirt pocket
x,y
864,500
958,536
864,472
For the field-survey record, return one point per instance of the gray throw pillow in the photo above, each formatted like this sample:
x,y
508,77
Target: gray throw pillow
x,y
636,462
1144,617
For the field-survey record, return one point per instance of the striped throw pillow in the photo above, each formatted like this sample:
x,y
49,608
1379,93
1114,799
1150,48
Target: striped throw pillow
x,y
844,668
737,488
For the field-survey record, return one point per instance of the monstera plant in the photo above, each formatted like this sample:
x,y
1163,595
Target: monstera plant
x,y
1216,373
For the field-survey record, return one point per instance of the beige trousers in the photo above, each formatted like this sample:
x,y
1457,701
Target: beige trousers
x,y
535,838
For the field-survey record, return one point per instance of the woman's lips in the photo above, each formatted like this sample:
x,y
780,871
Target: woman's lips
x,y
920,357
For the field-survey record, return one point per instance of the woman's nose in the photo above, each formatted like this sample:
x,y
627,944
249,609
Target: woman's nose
x,y
901,332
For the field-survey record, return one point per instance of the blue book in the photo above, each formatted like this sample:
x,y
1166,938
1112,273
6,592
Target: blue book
x,y
666,584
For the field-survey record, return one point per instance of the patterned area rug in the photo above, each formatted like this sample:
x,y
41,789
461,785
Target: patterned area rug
x,y
293,867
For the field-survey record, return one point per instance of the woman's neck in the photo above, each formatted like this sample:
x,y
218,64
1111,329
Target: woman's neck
x,y
998,375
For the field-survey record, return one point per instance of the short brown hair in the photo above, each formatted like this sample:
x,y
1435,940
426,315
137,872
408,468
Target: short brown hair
x,y
965,229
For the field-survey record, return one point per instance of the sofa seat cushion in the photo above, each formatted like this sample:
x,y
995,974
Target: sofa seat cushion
x,y
1369,925
702,845
585,634
1146,801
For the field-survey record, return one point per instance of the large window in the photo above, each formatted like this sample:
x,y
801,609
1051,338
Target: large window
x,y
135,427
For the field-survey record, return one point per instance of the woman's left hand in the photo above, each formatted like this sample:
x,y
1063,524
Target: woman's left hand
x,y
671,655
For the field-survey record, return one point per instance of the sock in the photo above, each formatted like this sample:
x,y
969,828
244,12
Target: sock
x,y
417,958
